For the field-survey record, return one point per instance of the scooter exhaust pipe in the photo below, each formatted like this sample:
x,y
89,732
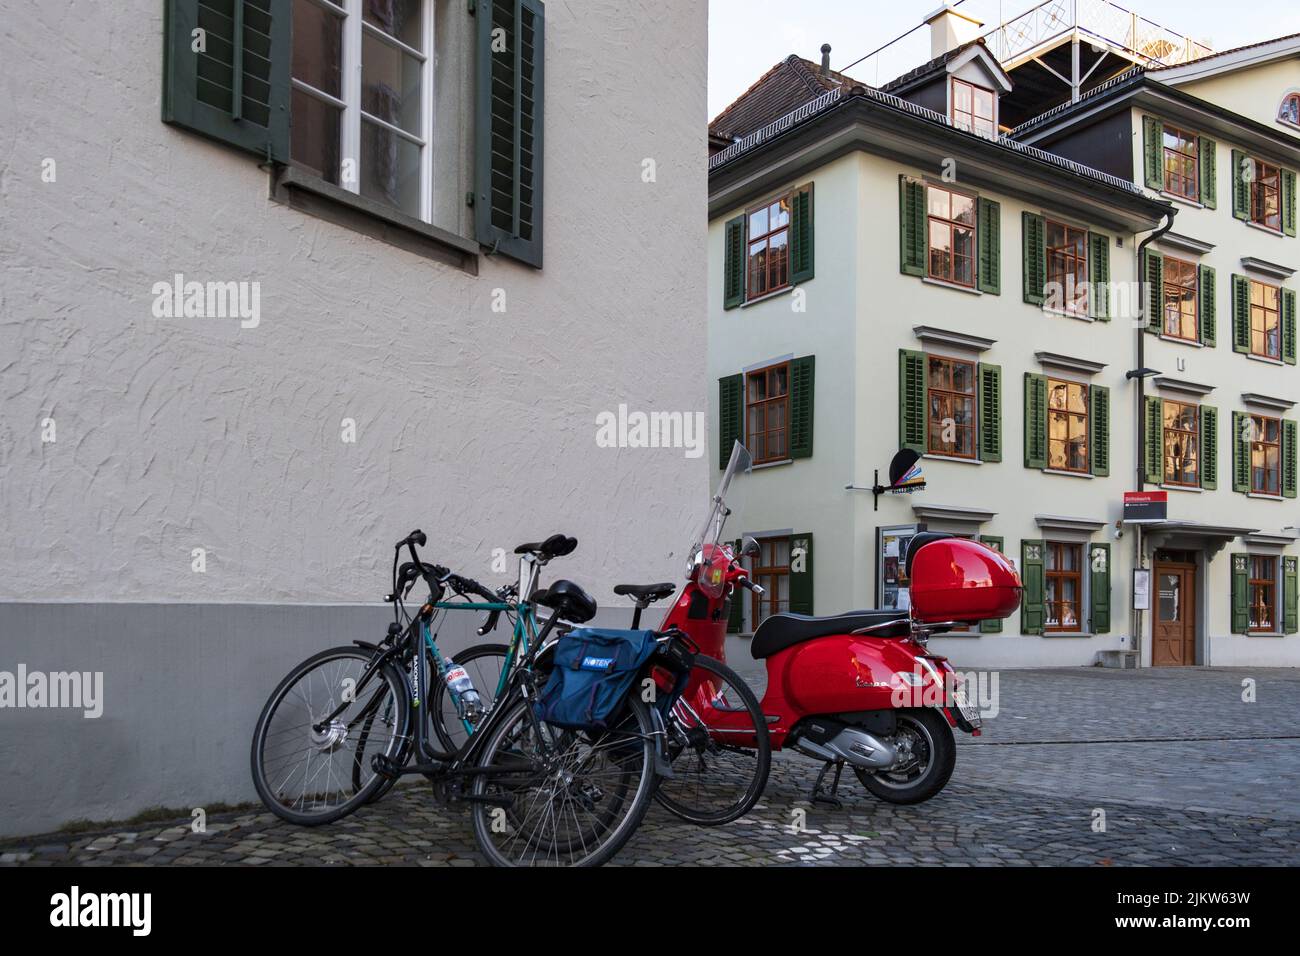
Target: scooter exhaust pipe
x,y
835,741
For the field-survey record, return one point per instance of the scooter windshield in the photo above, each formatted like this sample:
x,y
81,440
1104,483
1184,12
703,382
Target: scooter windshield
x,y
740,464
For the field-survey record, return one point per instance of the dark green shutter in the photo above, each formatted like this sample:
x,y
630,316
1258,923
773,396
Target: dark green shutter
x,y
1288,326
1099,430
1099,273
1153,440
990,412
733,266
1034,248
1240,185
1209,447
1240,453
1290,623
990,251
1288,458
1154,270
1209,172
912,411
992,625
801,582
801,406
1240,594
801,236
911,226
1288,202
1240,314
1032,613
237,91
1206,309
509,97
1099,587
736,612
1153,151
1035,421
731,415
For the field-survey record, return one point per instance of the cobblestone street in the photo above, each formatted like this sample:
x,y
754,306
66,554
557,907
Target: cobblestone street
x,y
1186,772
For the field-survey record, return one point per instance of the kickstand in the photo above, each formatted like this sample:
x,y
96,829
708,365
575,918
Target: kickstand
x,y
820,794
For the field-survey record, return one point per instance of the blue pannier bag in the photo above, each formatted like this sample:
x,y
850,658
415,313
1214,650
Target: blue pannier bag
x,y
594,669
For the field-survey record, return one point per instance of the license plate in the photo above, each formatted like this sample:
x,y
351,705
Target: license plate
x,y
968,713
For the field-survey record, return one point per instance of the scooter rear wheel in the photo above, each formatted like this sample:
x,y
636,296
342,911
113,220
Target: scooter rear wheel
x,y
928,738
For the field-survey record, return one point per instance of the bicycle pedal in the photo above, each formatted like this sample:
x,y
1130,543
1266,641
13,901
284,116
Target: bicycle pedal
x,y
385,766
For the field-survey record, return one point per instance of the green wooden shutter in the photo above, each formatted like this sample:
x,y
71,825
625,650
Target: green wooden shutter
x,y
1290,622
912,411
1209,172
1099,430
801,582
733,265
1034,248
801,406
911,226
1099,587
992,625
736,613
1240,314
1240,453
1288,326
731,415
1099,274
990,412
1209,447
237,91
1240,185
1288,201
1035,420
1154,269
1288,458
990,251
1153,151
1032,612
1240,594
1206,311
1153,440
509,97
801,236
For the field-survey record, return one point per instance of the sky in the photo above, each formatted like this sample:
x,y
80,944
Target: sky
x,y
746,37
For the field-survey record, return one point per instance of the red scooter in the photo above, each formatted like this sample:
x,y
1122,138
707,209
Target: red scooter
x,y
857,688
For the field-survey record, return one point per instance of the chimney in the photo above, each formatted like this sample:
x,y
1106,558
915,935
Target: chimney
x,y
826,59
950,28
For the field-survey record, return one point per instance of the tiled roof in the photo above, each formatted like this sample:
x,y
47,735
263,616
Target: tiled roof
x,y
786,86
926,69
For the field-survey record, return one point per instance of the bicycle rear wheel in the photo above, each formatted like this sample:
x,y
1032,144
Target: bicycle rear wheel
x,y
553,797
719,747
484,664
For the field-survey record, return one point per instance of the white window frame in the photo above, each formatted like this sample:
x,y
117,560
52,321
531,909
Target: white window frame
x,y
354,30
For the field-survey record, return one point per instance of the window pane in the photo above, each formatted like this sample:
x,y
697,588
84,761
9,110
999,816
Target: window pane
x,y
963,209
390,168
961,97
390,84
779,214
317,47
937,202
758,222
397,18
315,135
757,268
984,104
778,259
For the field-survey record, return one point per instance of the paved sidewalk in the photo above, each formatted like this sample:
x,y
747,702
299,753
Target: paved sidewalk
x,y
1186,773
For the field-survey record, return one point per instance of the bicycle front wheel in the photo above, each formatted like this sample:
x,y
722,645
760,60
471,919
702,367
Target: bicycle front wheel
x,y
552,797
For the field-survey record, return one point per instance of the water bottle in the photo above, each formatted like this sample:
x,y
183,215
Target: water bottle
x,y
468,702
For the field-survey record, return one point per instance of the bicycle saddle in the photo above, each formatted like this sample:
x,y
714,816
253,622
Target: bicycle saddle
x,y
556,546
645,593
568,601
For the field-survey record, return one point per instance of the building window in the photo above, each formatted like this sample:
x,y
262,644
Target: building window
x,y
1263,593
973,108
771,570
1290,109
1063,575
767,413
1067,266
369,137
1180,299
1265,324
951,390
1265,193
952,235
769,247
1265,455
1181,164
1182,444
1067,426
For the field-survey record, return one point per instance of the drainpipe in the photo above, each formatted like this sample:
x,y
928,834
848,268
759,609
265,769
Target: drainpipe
x,y
1144,297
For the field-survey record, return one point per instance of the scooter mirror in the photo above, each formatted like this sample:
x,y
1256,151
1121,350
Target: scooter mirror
x,y
749,546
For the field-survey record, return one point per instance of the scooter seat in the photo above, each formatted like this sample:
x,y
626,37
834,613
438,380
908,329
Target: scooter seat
x,y
780,631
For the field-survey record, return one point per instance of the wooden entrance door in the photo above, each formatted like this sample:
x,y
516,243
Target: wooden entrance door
x,y
1174,609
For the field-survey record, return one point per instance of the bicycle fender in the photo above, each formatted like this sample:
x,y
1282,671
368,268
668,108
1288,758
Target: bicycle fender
x,y
663,766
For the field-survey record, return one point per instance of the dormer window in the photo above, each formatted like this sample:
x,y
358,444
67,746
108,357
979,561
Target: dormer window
x,y
1290,109
974,108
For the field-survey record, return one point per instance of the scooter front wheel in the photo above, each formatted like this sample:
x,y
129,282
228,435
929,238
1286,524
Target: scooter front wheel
x,y
928,754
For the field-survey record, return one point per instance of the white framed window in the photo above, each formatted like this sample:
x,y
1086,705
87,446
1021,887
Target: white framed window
x,y
362,111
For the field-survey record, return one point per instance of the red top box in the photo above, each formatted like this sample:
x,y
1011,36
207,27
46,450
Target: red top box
x,y
958,580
